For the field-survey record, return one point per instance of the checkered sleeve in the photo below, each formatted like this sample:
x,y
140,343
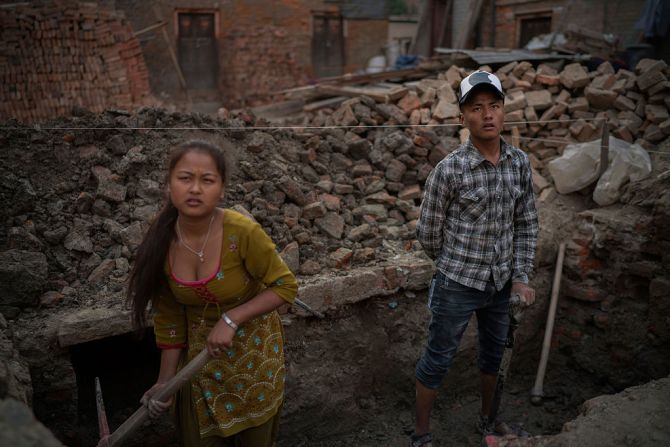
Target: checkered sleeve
x,y
525,227
433,215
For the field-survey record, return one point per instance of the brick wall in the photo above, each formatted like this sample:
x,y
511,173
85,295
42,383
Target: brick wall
x,y
263,45
363,40
54,57
605,16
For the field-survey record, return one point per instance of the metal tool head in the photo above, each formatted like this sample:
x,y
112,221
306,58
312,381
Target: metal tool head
x,y
103,425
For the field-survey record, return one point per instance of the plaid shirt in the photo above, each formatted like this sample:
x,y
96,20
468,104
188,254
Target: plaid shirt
x,y
479,220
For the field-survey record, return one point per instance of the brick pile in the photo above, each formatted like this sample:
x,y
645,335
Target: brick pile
x,y
546,108
65,55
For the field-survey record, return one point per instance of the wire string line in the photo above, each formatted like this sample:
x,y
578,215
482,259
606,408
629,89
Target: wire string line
x,y
254,128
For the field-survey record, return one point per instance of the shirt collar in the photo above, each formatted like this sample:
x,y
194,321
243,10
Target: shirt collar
x,y
475,157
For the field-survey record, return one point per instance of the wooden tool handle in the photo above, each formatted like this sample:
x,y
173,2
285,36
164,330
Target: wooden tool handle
x,y
170,388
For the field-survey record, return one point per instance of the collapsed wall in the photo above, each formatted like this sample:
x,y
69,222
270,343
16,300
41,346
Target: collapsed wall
x,y
66,55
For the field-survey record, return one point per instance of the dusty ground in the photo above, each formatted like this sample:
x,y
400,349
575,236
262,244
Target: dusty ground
x,y
350,382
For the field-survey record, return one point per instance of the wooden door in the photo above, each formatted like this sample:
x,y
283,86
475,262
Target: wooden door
x,y
327,45
198,55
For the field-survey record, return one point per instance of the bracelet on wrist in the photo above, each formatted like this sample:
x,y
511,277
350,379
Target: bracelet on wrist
x,y
229,322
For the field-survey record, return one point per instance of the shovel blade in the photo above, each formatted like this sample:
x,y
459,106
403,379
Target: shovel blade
x,y
103,425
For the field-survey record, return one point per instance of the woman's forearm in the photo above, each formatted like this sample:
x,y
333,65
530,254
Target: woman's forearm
x,y
264,302
169,362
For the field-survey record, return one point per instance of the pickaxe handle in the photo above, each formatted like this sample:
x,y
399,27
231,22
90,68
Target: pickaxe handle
x,y
171,387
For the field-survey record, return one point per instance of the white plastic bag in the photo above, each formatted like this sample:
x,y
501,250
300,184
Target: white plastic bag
x,y
627,163
579,166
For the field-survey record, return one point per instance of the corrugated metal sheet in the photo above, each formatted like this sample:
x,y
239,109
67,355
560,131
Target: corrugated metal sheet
x,y
502,57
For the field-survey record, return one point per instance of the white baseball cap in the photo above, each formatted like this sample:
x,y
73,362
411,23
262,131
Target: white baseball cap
x,y
480,79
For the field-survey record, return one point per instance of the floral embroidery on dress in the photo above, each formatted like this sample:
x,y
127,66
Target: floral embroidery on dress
x,y
219,275
229,407
218,375
261,397
238,387
233,243
208,395
257,340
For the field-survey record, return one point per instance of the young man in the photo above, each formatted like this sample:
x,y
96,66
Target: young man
x,y
478,222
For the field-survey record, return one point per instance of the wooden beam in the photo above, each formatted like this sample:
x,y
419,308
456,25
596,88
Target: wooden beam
x,y
330,102
379,95
470,22
173,56
160,24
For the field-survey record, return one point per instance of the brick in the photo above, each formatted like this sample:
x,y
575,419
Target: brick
x,y
665,127
515,101
574,76
539,99
624,103
656,113
410,192
410,102
623,133
649,79
601,99
545,79
653,133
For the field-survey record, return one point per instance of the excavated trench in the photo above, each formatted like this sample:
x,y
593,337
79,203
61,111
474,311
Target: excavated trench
x,y
350,377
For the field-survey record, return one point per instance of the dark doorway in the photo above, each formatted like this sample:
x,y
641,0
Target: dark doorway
x,y
197,50
533,26
327,45
127,367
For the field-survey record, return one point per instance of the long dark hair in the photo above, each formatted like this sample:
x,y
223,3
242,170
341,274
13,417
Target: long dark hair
x,y
147,279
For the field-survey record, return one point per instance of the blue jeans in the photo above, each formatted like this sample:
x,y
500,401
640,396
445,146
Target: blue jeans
x,y
452,305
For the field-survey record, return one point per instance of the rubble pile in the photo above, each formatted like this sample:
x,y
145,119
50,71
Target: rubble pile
x,y
77,203
545,108
56,58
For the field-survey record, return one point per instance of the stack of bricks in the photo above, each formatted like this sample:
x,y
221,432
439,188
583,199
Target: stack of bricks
x,y
64,55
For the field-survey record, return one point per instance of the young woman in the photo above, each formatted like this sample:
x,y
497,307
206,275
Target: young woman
x,y
214,280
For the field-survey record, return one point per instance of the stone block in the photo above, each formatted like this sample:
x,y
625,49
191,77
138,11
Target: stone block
x,y
93,324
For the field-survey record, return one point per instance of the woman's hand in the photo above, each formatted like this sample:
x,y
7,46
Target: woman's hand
x,y
220,338
155,407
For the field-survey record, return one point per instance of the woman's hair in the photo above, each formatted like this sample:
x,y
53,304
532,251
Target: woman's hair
x,y
147,279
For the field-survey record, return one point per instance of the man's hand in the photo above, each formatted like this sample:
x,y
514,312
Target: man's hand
x,y
526,293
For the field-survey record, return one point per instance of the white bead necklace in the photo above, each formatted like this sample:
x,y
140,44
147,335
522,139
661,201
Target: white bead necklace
x,y
201,253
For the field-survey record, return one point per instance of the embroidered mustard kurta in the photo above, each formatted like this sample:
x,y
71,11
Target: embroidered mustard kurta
x,y
244,387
